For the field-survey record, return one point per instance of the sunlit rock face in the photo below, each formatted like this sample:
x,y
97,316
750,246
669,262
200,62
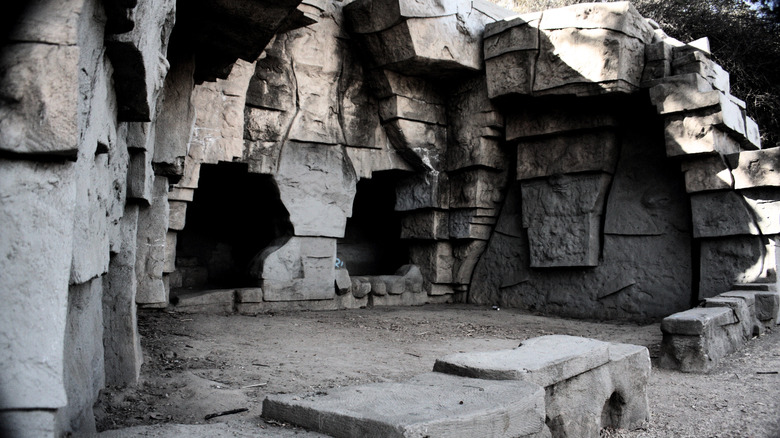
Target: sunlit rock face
x,y
325,154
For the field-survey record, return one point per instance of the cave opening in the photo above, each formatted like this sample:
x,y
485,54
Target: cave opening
x,y
372,243
234,216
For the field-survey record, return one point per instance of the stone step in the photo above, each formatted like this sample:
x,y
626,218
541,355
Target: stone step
x,y
544,360
205,301
429,405
589,384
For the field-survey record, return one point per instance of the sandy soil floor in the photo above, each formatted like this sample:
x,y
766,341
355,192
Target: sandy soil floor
x,y
198,365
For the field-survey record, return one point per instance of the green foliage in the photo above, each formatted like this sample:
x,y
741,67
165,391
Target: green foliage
x,y
744,37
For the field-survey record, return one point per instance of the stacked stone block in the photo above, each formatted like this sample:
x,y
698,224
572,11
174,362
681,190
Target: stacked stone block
x,y
727,175
551,386
697,339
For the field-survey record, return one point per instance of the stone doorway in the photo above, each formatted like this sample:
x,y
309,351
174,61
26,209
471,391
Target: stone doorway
x,y
371,244
234,215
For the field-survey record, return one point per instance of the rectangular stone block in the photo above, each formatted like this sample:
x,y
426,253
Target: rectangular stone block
x,y
727,261
511,73
178,214
744,312
700,63
563,218
422,190
568,153
694,134
369,17
401,107
563,71
463,226
683,92
39,92
707,173
425,224
434,259
36,244
122,343
150,255
752,134
431,404
697,321
619,16
545,360
303,268
759,168
140,177
170,252
722,213
558,117
695,340
476,188
521,36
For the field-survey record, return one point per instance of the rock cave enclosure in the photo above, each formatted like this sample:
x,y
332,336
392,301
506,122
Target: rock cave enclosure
x,y
321,154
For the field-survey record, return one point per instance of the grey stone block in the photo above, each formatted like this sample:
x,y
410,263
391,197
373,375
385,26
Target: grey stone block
x,y
433,404
695,340
612,395
545,360
698,321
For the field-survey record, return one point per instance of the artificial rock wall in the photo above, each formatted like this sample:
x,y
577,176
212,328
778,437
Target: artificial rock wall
x,y
576,161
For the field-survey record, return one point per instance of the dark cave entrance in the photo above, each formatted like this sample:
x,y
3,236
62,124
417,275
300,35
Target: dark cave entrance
x,y
234,215
372,242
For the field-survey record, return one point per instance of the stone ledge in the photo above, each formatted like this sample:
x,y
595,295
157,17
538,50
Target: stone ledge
x,y
431,404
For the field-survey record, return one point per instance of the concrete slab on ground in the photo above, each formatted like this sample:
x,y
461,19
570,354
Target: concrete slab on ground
x,y
432,404
544,360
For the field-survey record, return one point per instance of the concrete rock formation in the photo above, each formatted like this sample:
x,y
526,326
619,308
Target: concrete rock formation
x,y
243,156
551,386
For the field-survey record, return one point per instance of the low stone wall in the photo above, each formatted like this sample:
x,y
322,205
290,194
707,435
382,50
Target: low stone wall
x,y
697,339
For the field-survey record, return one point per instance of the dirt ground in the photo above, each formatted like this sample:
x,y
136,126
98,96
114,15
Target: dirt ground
x,y
197,365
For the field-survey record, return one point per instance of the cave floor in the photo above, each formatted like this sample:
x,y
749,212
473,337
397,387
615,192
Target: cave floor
x,y
201,364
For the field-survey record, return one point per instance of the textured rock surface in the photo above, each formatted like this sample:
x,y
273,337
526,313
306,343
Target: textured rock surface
x,y
429,404
539,178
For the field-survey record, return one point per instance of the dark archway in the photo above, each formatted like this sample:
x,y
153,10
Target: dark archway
x,y
233,216
372,243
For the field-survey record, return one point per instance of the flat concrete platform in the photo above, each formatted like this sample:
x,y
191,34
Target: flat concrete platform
x,y
545,360
429,405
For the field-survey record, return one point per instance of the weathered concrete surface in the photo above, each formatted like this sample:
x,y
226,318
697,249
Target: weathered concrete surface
x,y
40,95
563,218
589,384
544,360
696,339
39,197
123,356
431,404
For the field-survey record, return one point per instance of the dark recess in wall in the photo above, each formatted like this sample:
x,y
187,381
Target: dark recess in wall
x,y
233,216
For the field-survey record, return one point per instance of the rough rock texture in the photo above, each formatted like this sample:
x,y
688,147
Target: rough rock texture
x,y
695,340
529,171
431,404
589,384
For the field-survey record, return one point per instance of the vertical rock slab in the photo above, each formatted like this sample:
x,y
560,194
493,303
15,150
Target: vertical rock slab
x,y
121,341
37,216
302,268
139,59
317,184
40,99
563,218
84,367
731,260
174,121
150,254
